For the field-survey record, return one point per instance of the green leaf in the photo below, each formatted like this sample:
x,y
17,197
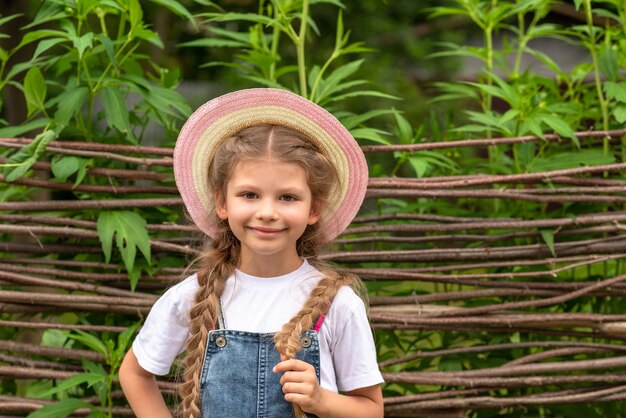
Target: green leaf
x,y
420,165
608,62
615,91
148,35
375,135
125,337
89,340
404,130
20,162
60,409
15,131
107,43
7,19
336,77
533,126
619,112
115,109
34,90
76,380
548,238
135,14
100,388
363,93
177,8
352,121
559,126
70,102
130,233
46,44
82,43
214,43
574,159
64,167
245,17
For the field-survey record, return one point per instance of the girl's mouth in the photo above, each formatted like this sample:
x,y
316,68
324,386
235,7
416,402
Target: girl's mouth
x,y
264,230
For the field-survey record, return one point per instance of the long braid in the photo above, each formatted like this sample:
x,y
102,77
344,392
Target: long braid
x,y
220,264
288,339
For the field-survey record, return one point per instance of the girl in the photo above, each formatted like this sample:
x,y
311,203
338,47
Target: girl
x,y
268,329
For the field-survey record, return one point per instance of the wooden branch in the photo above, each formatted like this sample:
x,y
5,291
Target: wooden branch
x,y
25,362
492,223
597,395
487,194
536,320
84,233
62,284
90,188
490,142
51,325
541,302
470,254
495,347
97,146
44,350
49,205
39,298
494,382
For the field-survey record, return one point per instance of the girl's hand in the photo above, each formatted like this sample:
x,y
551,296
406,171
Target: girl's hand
x,y
299,382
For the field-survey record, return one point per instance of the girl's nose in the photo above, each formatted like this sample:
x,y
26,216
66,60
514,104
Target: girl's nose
x,y
267,210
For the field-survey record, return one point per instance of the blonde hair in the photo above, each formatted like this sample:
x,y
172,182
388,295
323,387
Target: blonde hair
x,y
219,263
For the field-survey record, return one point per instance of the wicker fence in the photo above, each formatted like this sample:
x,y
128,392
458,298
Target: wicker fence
x,y
504,285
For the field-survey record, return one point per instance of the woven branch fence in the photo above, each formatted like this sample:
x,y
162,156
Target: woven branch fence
x,y
458,274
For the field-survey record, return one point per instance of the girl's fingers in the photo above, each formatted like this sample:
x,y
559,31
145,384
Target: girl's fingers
x,y
298,377
291,365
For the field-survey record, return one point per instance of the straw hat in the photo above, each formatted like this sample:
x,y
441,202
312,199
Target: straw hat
x,y
226,115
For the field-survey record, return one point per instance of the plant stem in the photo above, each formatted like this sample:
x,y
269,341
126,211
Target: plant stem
x,y
274,51
521,44
596,73
300,48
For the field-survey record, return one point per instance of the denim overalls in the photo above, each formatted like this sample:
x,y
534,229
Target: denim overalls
x,y
237,378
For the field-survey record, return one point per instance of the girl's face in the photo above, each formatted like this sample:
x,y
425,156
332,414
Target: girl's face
x,y
268,205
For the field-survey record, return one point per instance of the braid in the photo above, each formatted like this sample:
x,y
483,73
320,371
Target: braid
x,y
219,265
288,339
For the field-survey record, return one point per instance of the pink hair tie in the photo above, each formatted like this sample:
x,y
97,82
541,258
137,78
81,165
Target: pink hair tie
x,y
319,323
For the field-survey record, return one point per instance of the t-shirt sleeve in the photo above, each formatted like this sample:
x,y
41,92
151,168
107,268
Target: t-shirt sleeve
x,y
166,329
353,349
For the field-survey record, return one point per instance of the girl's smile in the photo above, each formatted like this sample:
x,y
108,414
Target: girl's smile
x,y
268,205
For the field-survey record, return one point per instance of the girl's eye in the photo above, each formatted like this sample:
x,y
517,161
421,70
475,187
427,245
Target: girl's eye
x,y
248,195
288,198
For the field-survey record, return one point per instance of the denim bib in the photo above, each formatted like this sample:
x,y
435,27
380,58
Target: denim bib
x,y
237,380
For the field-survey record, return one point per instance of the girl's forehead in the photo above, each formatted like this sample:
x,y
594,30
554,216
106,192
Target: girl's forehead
x,y
266,163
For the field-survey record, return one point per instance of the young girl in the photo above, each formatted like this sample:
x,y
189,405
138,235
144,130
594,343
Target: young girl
x,y
268,329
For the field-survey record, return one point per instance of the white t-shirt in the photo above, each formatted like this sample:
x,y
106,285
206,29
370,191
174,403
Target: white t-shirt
x,y
260,304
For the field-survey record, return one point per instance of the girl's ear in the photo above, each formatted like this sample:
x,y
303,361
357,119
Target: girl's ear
x,y
220,206
315,214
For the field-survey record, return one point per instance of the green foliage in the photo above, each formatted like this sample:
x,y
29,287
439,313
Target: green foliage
x,y
96,376
91,53
60,409
263,58
130,233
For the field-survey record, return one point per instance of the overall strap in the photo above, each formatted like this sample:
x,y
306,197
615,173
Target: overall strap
x,y
221,324
220,319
